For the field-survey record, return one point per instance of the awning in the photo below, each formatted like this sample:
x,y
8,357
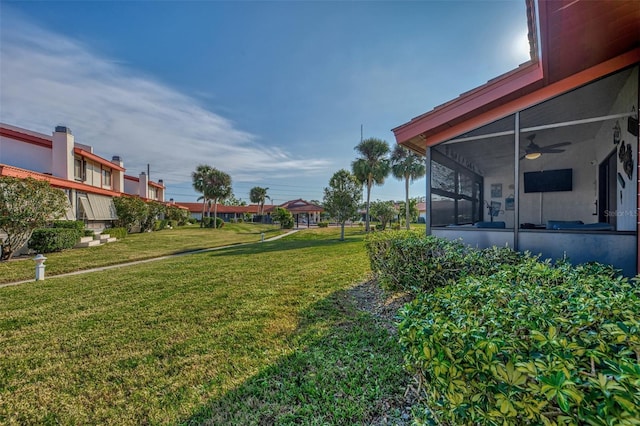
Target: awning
x,y
102,207
98,207
69,214
86,207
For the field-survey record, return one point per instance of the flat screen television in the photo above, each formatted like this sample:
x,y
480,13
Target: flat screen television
x,y
549,181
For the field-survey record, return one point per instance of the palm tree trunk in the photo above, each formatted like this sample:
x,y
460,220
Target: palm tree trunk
x,y
367,222
406,200
204,200
215,213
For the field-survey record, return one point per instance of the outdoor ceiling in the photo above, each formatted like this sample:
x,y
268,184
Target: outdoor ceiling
x,y
591,101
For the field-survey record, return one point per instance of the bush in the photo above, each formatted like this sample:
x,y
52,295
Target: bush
x,y
411,261
160,225
47,240
88,233
323,224
208,222
118,233
530,344
69,224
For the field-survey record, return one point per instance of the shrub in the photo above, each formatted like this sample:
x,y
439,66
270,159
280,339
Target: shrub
x,y
530,344
323,224
47,240
160,225
88,233
208,222
118,233
411,261
69,224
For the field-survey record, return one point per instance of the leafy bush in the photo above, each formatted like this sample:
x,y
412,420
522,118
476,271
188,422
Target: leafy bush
x,y
530,344
47,240
283,216
88,233
160,225
323,224
409,260
118,233
208,222
69,224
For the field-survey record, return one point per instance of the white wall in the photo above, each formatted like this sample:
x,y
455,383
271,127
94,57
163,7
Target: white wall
x,y
25,155
626,99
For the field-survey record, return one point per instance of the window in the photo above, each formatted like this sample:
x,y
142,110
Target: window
x,y
456,193
79,169
106,177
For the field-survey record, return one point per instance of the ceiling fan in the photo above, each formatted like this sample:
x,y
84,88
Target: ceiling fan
x,y
533,150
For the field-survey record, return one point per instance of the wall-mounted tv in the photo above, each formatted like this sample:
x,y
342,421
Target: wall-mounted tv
x,y
549,181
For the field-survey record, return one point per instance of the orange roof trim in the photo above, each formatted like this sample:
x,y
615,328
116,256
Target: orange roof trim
x,y
99,160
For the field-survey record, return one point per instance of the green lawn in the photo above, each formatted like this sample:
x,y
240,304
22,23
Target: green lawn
x,y
138,247
255,334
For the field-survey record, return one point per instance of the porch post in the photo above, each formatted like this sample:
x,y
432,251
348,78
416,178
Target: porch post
x,y
427,193
516,181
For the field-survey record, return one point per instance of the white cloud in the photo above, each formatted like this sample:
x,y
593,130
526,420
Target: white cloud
x,y
47,79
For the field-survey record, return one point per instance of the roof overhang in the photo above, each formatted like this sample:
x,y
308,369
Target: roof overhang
x,y
580,41
57,182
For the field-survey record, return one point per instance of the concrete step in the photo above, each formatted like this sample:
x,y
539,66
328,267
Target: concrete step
x,y
85,240
103,237
91,243
111,240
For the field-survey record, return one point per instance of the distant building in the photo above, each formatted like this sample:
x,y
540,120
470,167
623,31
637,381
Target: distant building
x,y
89,181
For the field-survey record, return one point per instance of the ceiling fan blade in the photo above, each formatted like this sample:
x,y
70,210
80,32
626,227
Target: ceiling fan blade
x,y
522,158
551,151
557,145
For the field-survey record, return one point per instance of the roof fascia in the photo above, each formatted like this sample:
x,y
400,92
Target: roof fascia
x,y
97,159
467,103
25,137
17,172
536,97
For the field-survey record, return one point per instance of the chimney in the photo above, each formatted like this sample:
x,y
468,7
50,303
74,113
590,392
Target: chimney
x,y
143,185
62,153
161,190
117,160
117,177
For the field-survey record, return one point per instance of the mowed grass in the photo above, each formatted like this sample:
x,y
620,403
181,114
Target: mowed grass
x,y
138,247
256,334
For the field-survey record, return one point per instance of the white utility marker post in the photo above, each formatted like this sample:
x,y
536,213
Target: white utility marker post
x,y
262,237
39,259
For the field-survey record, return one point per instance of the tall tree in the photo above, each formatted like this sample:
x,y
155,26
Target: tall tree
x,y
407,165
371,167
26,204
198,178
259,195
342,197
217,188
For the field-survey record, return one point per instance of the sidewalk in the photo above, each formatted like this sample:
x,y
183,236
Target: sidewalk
x,y
154,259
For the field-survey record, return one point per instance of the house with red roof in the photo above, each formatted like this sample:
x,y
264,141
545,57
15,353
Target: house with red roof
x,y
302,211
545,157
89,181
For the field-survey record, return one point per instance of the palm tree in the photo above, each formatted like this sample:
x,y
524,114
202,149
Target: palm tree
x,y
217,188
406,165
199,180
259,195
372,166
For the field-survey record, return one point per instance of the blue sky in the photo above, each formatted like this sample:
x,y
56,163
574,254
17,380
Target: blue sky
x,y
271,92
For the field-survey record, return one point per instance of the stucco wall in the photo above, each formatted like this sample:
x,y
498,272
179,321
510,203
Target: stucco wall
x,y
25,155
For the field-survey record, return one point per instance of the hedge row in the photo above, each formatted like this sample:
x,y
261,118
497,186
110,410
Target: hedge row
x,y
48,240
409,260
520,342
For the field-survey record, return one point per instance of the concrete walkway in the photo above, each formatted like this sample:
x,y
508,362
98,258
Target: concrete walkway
x,y
153,259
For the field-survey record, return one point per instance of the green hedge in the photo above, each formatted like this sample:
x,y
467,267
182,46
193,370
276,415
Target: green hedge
x,y
530,344
47,240
409,260
118,233
323,224
69,224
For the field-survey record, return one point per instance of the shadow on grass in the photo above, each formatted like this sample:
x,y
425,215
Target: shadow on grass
x,y
284,244
343,370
